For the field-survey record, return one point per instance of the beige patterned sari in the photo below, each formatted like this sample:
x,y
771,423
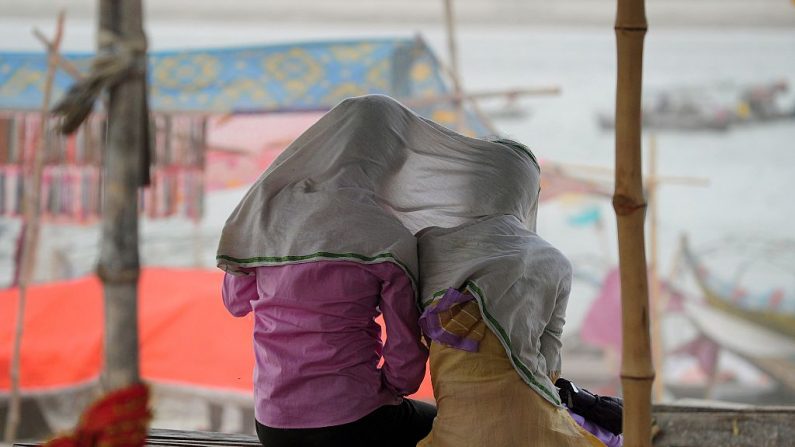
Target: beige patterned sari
x,y
482,401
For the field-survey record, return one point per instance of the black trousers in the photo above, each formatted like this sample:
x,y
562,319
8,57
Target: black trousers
x,y
401,425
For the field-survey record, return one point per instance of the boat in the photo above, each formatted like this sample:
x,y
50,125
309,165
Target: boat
x,y
715,107
772,309
764,102
680,110
757,327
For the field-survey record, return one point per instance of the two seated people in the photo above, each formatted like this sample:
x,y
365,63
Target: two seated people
x,y
375,210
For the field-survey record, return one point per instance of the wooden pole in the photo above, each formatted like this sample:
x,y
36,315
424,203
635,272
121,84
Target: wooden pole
x,y
118,266
458,99
60,62
637,371
452,52
473,97
31,227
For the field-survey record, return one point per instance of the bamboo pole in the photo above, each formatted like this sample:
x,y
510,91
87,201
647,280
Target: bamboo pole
x,y
119,267
31,228
637,371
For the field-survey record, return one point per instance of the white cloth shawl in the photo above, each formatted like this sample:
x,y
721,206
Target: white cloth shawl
x,y
358,183
521,284
368,175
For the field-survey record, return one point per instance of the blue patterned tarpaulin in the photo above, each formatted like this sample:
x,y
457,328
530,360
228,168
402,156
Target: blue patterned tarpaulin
x,y
276,78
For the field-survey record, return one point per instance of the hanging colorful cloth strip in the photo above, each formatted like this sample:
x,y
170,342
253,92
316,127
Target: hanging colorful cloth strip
x,y
71,191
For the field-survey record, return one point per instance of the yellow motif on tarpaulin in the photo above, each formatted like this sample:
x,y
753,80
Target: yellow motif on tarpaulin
x,y
421,71
253,91
378,76
21,80
353,53
296,68
191,72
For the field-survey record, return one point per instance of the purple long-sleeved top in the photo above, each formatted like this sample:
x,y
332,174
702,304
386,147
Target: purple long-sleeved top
x,y
317,344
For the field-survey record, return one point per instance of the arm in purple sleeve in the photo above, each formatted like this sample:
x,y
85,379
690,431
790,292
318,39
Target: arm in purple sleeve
x,y
404,353
239,292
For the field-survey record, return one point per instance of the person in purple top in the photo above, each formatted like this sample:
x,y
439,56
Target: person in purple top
x,y
317,348
313,254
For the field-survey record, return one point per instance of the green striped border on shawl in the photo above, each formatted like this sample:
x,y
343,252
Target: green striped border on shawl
x,y
519,366
324,255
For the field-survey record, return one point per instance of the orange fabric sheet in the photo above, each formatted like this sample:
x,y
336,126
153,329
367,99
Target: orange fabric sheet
x,y
186,335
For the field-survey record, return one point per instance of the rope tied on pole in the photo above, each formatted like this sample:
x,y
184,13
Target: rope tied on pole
x,y
125,60
107,70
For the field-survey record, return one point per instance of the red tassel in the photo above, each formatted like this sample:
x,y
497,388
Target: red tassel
x,y
120,419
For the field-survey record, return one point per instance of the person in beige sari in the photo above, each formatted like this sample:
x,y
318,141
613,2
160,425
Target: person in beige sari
x,y
494,296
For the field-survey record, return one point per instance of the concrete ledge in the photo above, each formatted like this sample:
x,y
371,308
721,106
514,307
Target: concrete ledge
x,y
680,426
724,426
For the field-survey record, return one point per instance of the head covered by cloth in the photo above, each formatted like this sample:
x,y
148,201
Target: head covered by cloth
x,y
362,180
520,282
